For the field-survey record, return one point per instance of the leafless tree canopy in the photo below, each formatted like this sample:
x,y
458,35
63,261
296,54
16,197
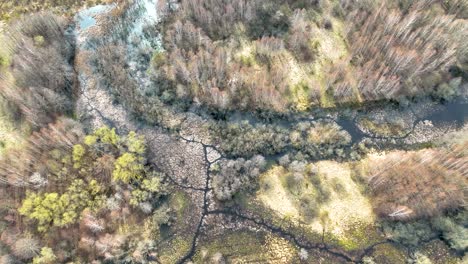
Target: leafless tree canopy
x,y
42,77
420,184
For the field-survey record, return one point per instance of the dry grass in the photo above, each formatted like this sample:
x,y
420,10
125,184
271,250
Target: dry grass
x,y
347,205
276,196
344,208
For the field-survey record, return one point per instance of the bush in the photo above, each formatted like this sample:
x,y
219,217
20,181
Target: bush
x,y
26,248
52,209
415,233
269,21
448,91
453,230
409,234
9,259
243,139
128,168
47,256
237,175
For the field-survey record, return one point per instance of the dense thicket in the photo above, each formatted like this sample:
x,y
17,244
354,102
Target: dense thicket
x,y
421,184
452,228
277,55
202,44
237,175
401,52
38,77
39,156
79,190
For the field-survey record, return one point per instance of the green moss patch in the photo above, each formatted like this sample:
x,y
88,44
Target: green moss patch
x,y
388,254
173,250
247,247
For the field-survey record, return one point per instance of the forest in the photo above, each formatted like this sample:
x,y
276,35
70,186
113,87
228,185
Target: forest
x,y
233,131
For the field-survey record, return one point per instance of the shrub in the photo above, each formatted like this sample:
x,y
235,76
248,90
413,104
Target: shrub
x,y
47,256
243,139
8,259
448,91
409,234
453,230
52,209
148,191
412,234
237,175
217,258
26,248
303,254
128,168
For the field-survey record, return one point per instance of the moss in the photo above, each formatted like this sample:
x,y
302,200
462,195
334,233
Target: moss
x,y
383,128
358,236
288,200
389,254
239,243
274,194
253,204
39,40
247,247
173,250
158,59
179,201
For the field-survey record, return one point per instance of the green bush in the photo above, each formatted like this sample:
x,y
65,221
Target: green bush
x,y
46,256
454,230
448,91
4,62
53,209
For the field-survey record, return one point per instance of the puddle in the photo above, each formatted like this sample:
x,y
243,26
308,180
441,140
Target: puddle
x,y
86,18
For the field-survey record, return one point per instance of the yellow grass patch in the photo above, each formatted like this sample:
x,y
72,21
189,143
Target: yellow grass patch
x,y
344,209
276,196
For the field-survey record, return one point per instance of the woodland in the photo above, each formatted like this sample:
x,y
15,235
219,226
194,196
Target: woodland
x,y
233,131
